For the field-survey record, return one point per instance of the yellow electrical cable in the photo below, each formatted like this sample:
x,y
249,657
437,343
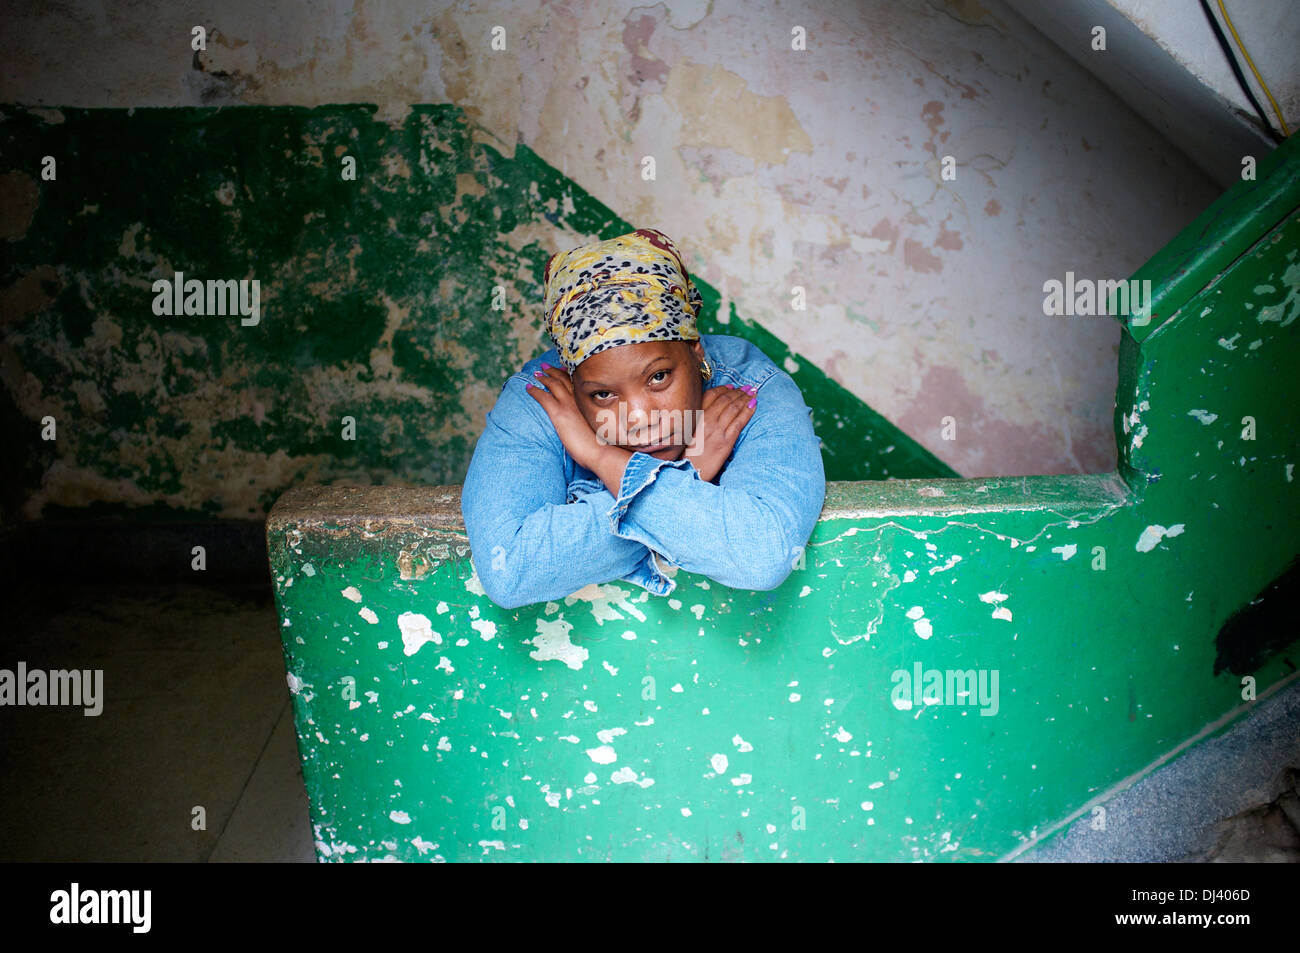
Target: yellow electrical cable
x,y
1251,63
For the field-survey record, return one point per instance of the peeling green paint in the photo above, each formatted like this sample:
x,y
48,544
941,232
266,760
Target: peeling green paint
x,y
377,303
777,726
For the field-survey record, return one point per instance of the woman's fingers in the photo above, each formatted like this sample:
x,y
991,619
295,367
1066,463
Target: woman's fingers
x,y
741,408
554,377
738,424
734,407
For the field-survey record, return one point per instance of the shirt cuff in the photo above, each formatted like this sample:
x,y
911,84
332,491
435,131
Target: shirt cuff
x,y
650,575
641,470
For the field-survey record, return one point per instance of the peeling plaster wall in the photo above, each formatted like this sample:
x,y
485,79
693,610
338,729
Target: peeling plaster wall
x,y
774,168
391,308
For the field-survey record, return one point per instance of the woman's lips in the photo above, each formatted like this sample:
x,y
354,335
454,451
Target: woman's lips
x,y
651,447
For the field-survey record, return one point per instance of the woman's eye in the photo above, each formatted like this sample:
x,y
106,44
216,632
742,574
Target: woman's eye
x,y
656,375
599,395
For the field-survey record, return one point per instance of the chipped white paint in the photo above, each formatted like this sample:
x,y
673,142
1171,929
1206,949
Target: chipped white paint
x,y
719,762
1204,416
741,744
626,775
369,615
609,734
416,631
602,755
295,683
486,629
952,561
1152,535
1066,551
399,817
604,600
551,644
472,584
920,625
994,597
352,593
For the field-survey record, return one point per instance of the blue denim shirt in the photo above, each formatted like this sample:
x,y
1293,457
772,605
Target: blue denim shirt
x,y
541,526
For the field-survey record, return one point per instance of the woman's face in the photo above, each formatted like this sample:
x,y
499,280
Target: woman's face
x,y
643,397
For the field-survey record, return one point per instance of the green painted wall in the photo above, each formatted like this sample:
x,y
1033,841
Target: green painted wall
x,y
729,725
376,297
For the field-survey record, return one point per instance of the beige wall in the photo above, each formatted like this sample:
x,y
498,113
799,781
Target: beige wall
x,y
774,168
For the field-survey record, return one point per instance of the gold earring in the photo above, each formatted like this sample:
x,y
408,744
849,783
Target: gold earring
x,y
705,370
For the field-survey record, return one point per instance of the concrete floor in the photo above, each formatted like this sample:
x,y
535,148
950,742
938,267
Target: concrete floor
x,y
197,714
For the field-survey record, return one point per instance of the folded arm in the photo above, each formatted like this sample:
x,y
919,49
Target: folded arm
x,y
529,544
749,529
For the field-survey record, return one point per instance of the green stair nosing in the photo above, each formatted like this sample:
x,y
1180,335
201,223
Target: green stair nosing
x,y
1218,237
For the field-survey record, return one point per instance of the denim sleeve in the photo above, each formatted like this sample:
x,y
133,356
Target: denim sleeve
x,y
747,531
528,544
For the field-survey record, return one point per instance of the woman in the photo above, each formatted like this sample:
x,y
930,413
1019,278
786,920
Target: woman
x,y
636,445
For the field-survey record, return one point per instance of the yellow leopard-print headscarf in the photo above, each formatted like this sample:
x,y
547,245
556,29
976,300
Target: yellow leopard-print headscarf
x,y
624,290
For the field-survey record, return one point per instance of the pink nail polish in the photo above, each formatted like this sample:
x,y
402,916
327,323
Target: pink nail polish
x,y
753,401
545,365
538,374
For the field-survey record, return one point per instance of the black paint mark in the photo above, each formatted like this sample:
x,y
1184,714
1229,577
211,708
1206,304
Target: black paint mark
x,y
1263,627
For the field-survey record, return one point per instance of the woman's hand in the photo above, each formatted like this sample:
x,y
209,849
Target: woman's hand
x,y
604,460
562,407
725,412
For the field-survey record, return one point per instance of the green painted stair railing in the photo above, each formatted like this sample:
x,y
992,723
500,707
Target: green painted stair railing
x,y
958,669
